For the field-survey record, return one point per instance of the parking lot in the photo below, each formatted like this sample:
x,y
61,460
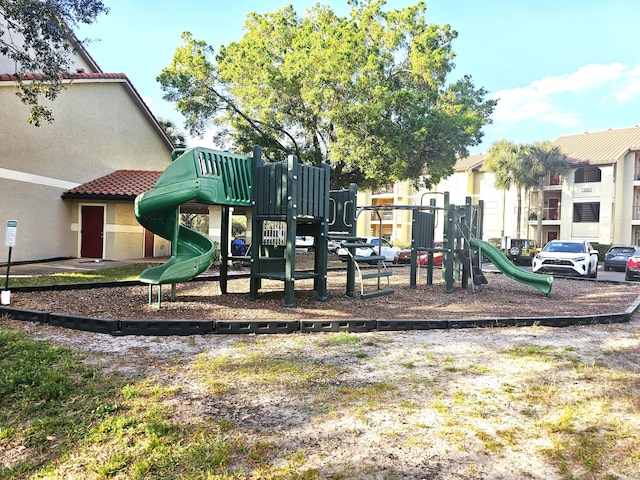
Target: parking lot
x,y
610,276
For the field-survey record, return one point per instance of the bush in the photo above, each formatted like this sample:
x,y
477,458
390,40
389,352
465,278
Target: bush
x,y
602,249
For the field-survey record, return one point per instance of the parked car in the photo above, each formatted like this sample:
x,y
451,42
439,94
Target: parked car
x,y
617,256
632,269
385,249
404,256
567,257
522,251
333,245
305,241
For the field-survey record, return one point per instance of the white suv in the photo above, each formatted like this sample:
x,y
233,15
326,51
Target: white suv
x,y
377,247
567,257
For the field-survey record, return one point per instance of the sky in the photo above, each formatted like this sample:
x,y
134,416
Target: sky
x,y
557,67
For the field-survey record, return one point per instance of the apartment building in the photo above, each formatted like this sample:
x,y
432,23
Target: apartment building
x,y
597,200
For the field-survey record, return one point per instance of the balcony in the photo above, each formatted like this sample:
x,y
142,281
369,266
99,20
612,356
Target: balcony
x,y
549,215
553,182
385,215
636,212
384,191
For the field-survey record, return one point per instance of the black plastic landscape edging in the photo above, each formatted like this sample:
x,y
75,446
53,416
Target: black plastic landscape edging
x,y
233,327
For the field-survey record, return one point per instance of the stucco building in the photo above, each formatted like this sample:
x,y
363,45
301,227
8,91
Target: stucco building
x,y
102,126
597,200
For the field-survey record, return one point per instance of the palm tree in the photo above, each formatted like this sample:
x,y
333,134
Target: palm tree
x,y
509,162
176,136
544,159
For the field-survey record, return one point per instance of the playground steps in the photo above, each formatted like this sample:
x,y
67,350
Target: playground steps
x,y
478,275
282,275
374,262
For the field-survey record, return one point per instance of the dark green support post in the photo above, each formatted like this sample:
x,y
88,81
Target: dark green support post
x,y
413,273
432,203
224,249
322,243
350,222
292,220
449,240
256,228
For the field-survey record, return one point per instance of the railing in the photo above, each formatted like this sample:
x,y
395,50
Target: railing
x,y
384,215
388,189
548,213
636,212
233,170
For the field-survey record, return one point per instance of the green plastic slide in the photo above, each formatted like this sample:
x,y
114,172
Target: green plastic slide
x,y
198,175
502,263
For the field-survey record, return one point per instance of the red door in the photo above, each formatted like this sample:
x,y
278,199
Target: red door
x,y
148,243
552,236
92,219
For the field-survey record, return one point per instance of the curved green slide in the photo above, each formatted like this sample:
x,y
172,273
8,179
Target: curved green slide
x,y
197,175
502,263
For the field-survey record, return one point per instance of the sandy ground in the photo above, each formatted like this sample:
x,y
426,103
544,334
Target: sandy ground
x,y
436,404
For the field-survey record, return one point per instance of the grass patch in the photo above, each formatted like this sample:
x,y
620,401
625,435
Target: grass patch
x,y
60,419
109,274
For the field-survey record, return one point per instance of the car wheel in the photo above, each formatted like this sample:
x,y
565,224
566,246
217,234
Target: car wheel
x,y
515,251
606,268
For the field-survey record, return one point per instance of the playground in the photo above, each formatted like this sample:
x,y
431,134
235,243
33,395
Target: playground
x,y
500,297
306,293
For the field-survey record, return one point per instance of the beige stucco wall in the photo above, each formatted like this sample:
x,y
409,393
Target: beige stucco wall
x,y
98,129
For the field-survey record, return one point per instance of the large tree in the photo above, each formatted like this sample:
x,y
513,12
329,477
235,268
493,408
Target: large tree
x,y
545,159
37,36
510,163
367,93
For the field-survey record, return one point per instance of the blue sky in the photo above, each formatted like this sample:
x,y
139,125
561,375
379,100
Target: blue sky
x,y
558,67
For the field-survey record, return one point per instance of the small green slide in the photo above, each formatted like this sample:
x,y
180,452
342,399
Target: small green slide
x,y
197,175
502,263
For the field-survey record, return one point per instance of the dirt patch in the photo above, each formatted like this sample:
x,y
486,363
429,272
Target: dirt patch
x,y
500,297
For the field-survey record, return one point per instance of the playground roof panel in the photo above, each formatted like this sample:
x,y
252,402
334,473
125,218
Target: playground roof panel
x,y
119,185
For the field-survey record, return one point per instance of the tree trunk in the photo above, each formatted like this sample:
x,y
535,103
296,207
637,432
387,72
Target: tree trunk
x,y
519,213
540,210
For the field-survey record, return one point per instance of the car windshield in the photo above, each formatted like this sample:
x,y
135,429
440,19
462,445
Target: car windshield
x,y
565,247
621,250
521,243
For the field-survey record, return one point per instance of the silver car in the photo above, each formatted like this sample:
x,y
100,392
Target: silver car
x,y
567,257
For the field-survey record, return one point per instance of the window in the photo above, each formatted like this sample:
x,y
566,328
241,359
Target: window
x,y
588,175
586,212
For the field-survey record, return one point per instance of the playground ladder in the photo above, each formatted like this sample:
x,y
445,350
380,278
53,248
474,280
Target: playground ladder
x,y
470,266
380,272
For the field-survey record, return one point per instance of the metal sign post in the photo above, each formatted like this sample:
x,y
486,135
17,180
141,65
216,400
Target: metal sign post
x,y
9,241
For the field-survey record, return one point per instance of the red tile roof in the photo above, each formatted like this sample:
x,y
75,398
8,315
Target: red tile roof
x,y
119,185
79,75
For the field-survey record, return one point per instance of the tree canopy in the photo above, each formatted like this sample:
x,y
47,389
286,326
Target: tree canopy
x,y
37,36
510,164
525,166
545,159
368,94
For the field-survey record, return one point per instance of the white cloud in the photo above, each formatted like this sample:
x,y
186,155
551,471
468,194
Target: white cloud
x,y
629,90
541,101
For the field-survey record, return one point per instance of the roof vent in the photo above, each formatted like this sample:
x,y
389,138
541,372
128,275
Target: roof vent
x,y
79,70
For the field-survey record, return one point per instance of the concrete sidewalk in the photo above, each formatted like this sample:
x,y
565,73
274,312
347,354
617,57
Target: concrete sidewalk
x,y
21,270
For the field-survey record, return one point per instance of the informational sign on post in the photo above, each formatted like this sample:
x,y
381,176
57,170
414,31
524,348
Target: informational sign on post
x,y
9,241
11,233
